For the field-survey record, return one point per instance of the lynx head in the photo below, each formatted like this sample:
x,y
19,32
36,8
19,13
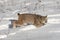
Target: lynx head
x,y
43,19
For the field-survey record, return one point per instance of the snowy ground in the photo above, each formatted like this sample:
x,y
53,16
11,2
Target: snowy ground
x,y
9,10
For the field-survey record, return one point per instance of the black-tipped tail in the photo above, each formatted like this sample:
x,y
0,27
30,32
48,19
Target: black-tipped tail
x,y
18,13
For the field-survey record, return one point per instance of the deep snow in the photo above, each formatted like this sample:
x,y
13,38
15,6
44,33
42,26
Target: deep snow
x,y
9,10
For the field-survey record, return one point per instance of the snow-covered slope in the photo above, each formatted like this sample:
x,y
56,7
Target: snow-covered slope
x,y
9,10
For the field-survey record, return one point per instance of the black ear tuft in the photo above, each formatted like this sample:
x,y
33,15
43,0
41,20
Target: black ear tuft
x,y
18,13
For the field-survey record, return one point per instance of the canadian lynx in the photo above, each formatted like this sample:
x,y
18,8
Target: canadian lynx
x,y
32,19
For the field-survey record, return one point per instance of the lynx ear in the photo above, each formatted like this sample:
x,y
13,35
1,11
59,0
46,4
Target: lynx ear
x,y
18,13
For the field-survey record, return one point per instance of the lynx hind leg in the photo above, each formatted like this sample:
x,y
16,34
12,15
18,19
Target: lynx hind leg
x,y
14,24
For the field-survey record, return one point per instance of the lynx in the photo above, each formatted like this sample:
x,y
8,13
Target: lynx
x,y
30,19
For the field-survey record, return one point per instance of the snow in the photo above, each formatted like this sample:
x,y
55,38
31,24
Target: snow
x,y
54,21
3,36
54,31
9,10
28,4
3,27
54,15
